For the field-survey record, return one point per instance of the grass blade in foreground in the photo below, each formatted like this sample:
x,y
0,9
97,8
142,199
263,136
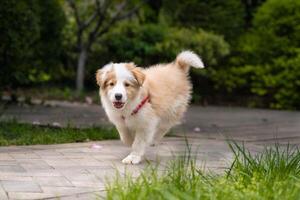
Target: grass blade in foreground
x,y
272,174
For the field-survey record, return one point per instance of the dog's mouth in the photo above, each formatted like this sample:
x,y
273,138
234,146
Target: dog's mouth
x,y
118,104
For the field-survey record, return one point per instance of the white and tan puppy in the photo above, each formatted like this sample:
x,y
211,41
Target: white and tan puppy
x,y
144,104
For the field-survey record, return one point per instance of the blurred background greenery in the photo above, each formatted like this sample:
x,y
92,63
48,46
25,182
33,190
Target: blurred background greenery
x,y
251,48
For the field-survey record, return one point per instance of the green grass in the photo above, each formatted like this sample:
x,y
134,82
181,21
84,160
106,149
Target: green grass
x,y
13,133
272,174
53,93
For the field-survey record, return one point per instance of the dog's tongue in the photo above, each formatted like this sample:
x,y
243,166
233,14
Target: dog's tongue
x,y
118,104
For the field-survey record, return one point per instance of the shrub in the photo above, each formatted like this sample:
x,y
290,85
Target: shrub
x,y
30,40
156,43
221,17
269,56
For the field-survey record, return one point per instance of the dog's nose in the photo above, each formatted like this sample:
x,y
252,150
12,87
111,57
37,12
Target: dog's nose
x,y
118,96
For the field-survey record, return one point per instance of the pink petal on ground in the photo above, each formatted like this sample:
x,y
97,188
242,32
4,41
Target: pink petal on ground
x,y
96,146
197,129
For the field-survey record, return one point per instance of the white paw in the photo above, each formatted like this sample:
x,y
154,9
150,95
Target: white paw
x,y
132,159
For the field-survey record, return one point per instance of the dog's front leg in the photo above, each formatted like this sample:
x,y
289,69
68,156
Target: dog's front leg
x,y
125,135
142,139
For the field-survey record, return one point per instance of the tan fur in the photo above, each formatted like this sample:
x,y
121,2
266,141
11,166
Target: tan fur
x,y
110,78
169,89
132,89
98,77
139,75
137,72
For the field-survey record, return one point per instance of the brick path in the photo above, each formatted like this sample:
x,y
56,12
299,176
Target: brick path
x,y
78,171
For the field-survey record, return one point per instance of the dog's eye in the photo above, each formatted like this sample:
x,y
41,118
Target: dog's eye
x,y
111,84
126,84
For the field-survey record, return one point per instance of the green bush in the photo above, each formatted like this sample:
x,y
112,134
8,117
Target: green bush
x,y
219,16
30,40
155,43
269,64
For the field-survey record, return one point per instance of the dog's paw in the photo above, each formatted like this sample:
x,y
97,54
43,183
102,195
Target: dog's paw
x,y
132,159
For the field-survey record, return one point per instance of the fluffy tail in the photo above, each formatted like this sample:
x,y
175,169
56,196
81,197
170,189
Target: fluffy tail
x,y
188,58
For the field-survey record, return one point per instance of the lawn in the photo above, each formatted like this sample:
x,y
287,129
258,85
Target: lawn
x,y
44,93
272,174
13,133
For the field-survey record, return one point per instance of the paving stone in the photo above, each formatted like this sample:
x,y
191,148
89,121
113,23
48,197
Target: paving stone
x,y
52,172
20,186
89,162
73,154
61,191
48,153
87,177
3,194
11,168
14,177
75,172
34,164
31,195
106,157
8,162
28,155
69,150
60,162
58,181
105,174
84,196
96,185
6,157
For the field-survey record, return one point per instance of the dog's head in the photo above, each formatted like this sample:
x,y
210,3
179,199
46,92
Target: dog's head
x,y
120,82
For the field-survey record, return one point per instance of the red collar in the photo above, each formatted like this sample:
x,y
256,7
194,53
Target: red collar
x,y
136,110
143,102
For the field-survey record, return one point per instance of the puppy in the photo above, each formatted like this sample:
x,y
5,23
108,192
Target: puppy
x,y
144,104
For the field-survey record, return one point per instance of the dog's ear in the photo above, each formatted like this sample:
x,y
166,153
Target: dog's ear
x,y
139,75
101,73
99,77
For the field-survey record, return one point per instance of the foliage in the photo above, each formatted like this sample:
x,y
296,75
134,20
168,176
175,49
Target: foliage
x,y
272,174
222,17
269,56
157,43
49,48
13,133
30,40
154,43
19,29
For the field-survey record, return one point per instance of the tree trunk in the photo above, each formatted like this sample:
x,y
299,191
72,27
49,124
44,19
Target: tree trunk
x,y
80,69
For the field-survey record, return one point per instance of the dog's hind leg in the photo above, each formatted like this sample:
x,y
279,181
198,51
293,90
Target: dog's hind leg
x,y
160,133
